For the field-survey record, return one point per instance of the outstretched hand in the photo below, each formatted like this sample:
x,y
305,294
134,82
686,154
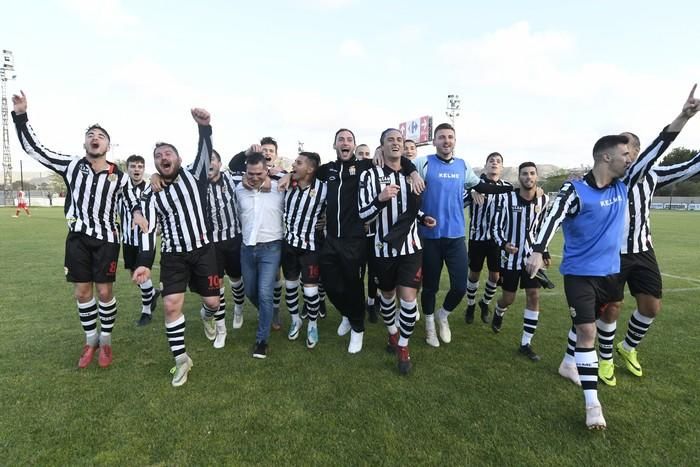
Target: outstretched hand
x,y
692,105
141,275
140,220
201,116
20,103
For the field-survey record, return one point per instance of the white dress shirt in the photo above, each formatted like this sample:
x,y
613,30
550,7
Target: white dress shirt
x,y
261,214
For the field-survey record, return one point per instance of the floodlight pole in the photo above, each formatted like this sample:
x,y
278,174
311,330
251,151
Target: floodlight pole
x,y
453,106
6,68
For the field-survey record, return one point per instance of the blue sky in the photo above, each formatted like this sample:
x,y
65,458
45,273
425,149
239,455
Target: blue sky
x,y
539,81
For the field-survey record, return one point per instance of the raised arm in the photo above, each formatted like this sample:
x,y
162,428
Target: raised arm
x,y
648,158
200,167
670,174
50,159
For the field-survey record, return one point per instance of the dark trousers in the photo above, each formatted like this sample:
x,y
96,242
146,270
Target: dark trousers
x,y
453,252
371,269
341,264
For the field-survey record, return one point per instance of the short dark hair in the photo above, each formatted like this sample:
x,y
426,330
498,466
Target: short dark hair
x,y
494,154
383,135
135,158
632,140
215,154
340,131
312,157
256,158
97,126
160,144
525,165
608,142
408,141
269,140
443,126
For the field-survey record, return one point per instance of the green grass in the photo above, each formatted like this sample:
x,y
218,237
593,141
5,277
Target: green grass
x,y
474,401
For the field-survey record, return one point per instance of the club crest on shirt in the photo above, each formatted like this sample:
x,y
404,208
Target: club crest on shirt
x,y
538,209
112,178
312,193
84,169
572,311
352,170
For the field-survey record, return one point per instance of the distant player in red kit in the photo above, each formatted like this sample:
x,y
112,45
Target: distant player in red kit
x,y
21,204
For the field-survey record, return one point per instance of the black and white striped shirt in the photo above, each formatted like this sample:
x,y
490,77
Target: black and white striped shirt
x,y
180,208
517,222
91,204
224,223
481,217
302,208
637,227
131,233
567,204
386,213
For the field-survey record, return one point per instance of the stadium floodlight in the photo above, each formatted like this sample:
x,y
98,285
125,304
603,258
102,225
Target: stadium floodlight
x,y
7,66
453,106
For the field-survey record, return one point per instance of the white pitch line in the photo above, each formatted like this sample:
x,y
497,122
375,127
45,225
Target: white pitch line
x,y
680,289
689,279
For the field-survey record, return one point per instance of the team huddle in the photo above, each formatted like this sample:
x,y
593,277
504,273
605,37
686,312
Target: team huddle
x,y
394,218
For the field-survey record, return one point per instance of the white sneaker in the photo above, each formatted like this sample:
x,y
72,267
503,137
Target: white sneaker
x,y
220,340
570,372
444,327
311,337
594,418
355,341
180,371
344,327
294,328
237,320
209,325
430,335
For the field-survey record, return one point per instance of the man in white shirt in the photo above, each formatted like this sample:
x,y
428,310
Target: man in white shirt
x,y
263,231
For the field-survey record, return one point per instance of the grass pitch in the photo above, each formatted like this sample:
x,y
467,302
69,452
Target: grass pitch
x,y
474,401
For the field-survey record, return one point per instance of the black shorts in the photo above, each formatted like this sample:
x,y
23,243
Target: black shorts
x,y
195,268
640,272
484,249
89,259
296,261
228,257
510,280
406,271
587,294
130,254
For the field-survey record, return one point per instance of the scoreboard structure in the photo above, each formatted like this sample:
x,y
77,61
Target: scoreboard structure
x,y
419,130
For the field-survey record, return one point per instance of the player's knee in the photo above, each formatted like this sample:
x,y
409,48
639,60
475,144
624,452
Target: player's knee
x,y
83,294
211,302
649,307
610,312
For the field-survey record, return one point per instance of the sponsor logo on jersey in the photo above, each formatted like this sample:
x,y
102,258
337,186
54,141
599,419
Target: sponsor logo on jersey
x,y
611,201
